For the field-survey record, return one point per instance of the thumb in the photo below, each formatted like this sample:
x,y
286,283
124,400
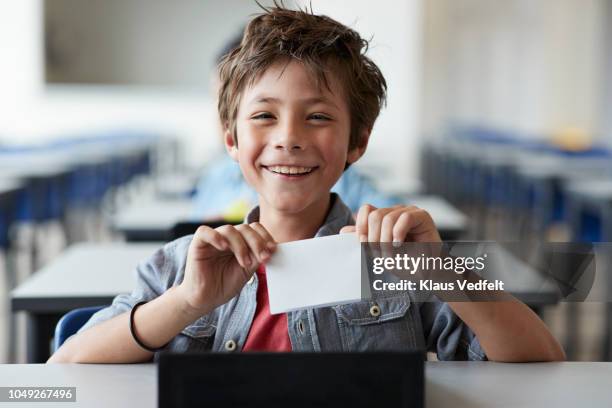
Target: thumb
x,y
348,229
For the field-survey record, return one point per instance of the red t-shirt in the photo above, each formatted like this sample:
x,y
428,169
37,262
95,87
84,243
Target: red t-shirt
x,y
268,332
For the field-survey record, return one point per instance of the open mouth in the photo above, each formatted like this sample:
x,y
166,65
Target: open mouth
x,y
290,171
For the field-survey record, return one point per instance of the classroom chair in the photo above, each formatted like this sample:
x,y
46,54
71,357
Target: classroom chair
x,y
183,228
5,220
71,322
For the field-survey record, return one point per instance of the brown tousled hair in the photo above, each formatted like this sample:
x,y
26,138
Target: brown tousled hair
x,y
322,45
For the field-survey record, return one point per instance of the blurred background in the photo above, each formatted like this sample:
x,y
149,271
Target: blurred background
x,y
497,122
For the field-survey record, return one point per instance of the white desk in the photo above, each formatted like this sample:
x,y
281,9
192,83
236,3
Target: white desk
x,y
9,185
456,384
521,279
448,219
71,155
84,275
28,170
93,274
154,218
558,385
176,185
593,189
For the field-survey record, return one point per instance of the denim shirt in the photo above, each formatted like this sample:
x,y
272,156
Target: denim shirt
x,y
399,323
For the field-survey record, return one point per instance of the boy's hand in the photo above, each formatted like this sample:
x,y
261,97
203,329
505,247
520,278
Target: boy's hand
x,y
396,224
220,261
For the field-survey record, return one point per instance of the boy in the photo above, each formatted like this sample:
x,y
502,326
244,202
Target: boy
x,y
298,100
222,192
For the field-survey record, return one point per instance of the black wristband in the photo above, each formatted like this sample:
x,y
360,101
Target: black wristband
x,y
136,339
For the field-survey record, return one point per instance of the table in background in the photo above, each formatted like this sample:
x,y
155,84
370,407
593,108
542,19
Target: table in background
x,y
9,185
458,384
84,275
451,222
590,219
152,219
176,185
93,274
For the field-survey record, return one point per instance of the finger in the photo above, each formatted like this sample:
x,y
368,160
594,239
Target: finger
x,y
416,224
375,223
348,229
255,242
263,232
205,235
362,221
388,223
238,246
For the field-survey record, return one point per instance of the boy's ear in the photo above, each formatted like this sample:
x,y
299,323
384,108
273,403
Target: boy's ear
x,y
355,153
230,144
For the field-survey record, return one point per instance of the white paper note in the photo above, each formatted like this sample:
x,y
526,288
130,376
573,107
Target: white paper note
x,y
314,272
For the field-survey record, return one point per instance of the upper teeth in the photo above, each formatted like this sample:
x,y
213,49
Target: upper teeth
x,y
290,169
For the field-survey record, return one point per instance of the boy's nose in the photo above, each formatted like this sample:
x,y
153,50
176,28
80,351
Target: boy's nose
x,y
289,146
289,138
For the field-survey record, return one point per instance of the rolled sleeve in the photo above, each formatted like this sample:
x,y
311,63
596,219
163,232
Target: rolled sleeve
x,y
151,281
447,335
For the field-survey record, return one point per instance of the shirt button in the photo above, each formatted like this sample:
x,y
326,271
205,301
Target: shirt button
x,y
301,327
251,279
230,345
375,311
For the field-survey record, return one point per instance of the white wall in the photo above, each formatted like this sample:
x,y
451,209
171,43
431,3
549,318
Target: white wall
x,y
394,26
33,112
532,67
20,60
145,42
395,29
606,89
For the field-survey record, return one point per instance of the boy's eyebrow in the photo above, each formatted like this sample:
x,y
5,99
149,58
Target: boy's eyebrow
x,y
319,99
265,99
309,101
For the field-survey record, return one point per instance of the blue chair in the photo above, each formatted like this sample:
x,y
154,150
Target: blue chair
x,y
71,322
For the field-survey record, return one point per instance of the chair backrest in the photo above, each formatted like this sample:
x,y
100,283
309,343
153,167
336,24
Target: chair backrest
x,y
71,322
183,228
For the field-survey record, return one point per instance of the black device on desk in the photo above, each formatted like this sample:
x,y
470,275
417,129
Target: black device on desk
x,y
369,379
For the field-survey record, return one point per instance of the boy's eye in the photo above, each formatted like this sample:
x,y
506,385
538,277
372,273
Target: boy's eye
x,y
319,116
263,115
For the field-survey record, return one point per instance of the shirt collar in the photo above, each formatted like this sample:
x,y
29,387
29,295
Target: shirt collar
x,y
337,217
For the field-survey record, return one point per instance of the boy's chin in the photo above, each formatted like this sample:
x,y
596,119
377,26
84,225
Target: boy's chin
x,y
292,203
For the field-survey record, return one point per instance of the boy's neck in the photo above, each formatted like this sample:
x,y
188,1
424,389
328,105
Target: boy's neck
x,y
293,227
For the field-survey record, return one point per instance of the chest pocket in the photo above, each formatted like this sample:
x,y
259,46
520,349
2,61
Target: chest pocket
x,y
198,336
380,324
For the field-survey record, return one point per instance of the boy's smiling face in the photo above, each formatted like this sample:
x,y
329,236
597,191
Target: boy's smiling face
x,y
293,137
